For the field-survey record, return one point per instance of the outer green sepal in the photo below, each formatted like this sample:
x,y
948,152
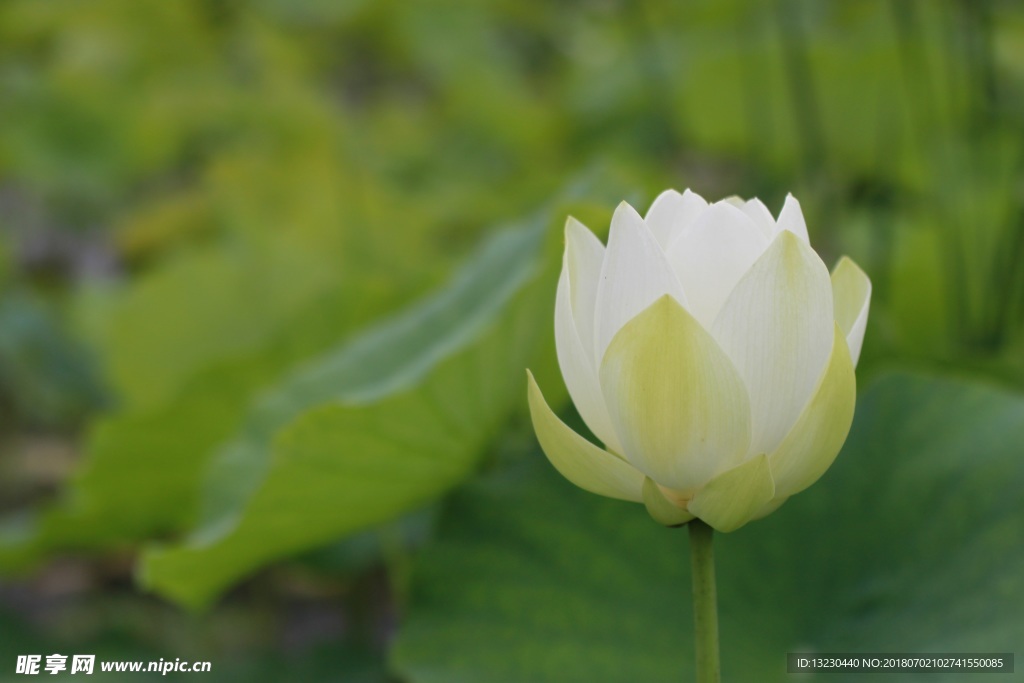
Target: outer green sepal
x,y
581,462
851,299
660,508
731,499
818,435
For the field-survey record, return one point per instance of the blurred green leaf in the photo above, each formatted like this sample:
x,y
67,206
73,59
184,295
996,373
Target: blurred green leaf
x,y
918,312
143,469
910,543
47,378
201,309
110,100
5,265
390,421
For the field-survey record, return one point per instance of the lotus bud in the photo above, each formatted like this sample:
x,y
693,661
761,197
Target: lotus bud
x,y
710,351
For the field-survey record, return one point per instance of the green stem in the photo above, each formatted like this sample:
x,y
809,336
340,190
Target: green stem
x,y
705,603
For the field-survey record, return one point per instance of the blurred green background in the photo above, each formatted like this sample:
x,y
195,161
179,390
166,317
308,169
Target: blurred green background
x,y
270,273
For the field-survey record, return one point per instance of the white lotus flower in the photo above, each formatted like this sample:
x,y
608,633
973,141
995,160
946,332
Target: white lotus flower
x,y
710,350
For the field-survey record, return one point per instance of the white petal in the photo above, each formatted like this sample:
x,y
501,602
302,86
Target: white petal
x,y
676,401
776,326
761,216
578,460
792,218
578,371
851,296
671,213
634,275
711,257
584,256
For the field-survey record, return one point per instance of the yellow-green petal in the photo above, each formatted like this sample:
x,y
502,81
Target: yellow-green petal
x,y
851,298
678,405
660,508
584,464
769,507
818,435
731,499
